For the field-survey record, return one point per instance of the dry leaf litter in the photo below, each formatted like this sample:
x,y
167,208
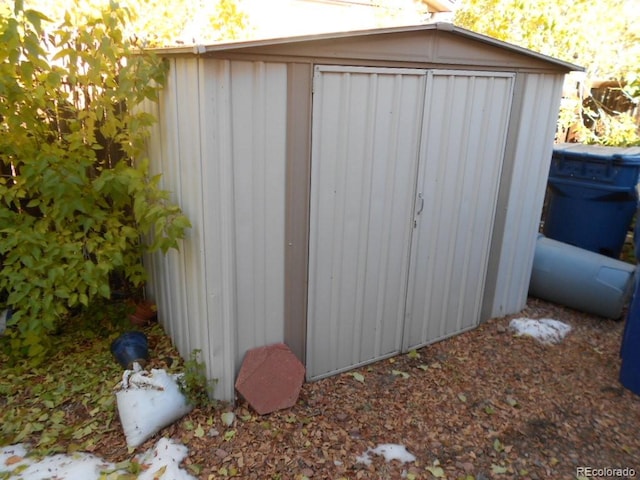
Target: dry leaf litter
x,y
486,404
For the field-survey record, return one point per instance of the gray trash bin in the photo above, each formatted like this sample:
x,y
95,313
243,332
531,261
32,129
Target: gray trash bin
x,y
580,279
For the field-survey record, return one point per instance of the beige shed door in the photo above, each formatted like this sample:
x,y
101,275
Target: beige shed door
x,y
383,159
462,148
366,132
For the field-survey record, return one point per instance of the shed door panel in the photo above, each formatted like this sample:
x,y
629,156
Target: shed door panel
x,y
464,134
366,135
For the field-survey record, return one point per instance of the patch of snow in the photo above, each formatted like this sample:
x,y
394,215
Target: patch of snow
x,y
545,330
162,462
166,454
11,451
78,465
364,458
390,451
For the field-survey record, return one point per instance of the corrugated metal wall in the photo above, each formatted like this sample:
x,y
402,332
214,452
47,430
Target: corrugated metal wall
x,y
259,101
220,145
532,145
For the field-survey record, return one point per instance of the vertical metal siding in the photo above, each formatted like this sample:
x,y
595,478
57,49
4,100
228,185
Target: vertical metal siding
x,y
259,100
466,117
188,171
195,306
532,157
171,302
366,127
218,291
223,291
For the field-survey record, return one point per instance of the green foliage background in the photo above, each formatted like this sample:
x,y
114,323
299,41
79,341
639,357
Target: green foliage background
x,y
160,22
601,36
74,205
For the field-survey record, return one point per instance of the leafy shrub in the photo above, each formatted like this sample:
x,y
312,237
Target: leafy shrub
x,y
77,203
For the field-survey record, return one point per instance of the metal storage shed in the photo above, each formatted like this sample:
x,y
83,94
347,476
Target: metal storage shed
x,y
353,195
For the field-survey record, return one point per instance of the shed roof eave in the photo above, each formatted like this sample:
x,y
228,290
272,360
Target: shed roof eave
x,y
238,47
509,46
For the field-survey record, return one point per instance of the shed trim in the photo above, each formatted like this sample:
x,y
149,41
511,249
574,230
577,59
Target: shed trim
x,y
448,28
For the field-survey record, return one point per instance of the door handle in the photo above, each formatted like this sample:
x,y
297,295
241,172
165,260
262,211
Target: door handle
x,y
421,207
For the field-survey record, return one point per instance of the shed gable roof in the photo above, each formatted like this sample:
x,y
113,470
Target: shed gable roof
x,y
437,43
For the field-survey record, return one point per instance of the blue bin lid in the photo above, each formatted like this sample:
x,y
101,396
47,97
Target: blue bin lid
x,y
619,155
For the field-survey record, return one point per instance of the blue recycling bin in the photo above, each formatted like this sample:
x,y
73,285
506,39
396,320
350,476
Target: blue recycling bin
x,y
630,349
593,196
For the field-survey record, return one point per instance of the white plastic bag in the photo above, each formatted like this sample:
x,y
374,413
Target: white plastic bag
x,y
148,402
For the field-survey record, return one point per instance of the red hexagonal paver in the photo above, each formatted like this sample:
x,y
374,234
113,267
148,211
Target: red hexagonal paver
x,y
270,378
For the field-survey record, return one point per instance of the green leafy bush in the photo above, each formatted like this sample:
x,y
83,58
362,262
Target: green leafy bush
x,y
77,203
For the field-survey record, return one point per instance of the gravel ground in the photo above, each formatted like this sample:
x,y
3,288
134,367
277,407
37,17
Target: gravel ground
x,y
484,404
